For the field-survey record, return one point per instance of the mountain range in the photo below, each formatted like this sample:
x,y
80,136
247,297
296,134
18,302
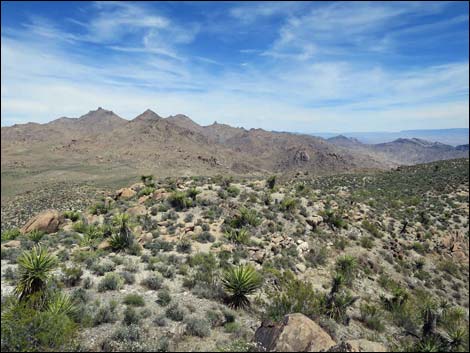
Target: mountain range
x,y
102,143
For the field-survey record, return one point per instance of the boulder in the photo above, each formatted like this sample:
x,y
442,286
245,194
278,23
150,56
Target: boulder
x,y
47,221
145,238
296,333
301,267
139,210
104,245
125,193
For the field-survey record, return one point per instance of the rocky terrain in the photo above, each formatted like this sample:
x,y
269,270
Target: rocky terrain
x,y
364,261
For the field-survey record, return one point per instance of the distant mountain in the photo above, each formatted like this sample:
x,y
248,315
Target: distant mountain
x,y
462,147
168,146
451,137
403,150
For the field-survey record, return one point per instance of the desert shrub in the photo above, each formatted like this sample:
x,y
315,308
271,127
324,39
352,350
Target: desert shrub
x,y
111,281
130,316
333,219
72,215
196,326
317,256
175,312
106,313
239,282
145,191
367,242
233,191
292,296
61,303
192,193
372,229
160,321
288,204
71,276
10,234
184,246
129,333
103,267
35,267
205,237
164,297
128,277
154,281
372,317
134,300
98,208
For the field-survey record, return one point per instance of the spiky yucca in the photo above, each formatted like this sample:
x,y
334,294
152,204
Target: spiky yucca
x,y
238,236
239,282
61,303
34,268
36,236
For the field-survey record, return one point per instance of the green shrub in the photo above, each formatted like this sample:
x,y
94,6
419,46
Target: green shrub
x,y
196,326
111,281
10,234
184,246
179,200
175,312
238,236
130,316
164,297
333,219
36,236
72,215
27,330
271,182
372,317
134,300
71,276
288,204
154,281
106,314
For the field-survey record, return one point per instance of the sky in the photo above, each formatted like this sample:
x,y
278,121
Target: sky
x,y
285,66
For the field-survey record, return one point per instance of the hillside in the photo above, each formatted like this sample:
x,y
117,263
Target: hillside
x,y
352,260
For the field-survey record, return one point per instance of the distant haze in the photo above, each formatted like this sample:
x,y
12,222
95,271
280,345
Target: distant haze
x,y
451,137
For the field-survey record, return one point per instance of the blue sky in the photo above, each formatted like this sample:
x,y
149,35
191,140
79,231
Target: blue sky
x,y
291,66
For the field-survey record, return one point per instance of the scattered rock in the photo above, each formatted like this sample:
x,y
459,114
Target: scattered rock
x,y
12,244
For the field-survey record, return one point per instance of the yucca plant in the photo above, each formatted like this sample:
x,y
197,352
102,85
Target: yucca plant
x,y
347,266
271,181
11,234
239,282
34,270
192,193
61,303
36,236
122,239
238,236
179,200
121,220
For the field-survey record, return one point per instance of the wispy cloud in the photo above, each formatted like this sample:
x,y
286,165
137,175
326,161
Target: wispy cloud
x,y
333,66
